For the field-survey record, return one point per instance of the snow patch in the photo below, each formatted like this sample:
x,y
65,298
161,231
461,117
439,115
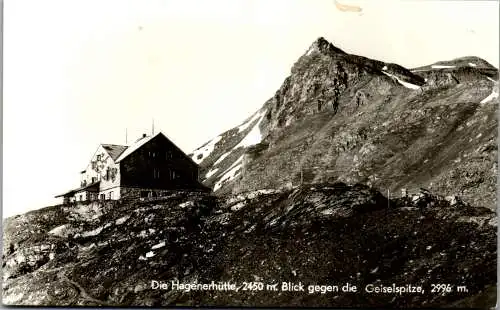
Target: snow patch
x,y
405,84
310,51
211,173
227,177
384,68
159,245
230,173
253,137
492,96
205,150
238,161
245,125
472,64
150,254
221,158
441,66
491,79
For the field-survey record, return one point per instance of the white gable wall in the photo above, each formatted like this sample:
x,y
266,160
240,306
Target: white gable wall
x,y
102,168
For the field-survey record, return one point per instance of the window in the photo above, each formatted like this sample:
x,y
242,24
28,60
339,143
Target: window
x,y
98,157
144,194
156,173
102,196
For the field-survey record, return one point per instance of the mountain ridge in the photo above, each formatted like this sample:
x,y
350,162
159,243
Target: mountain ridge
x,y
327,87
355,171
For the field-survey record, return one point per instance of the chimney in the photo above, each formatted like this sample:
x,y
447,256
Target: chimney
x,y
141,137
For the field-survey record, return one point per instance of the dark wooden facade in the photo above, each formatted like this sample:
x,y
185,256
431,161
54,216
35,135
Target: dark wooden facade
x,y
159,164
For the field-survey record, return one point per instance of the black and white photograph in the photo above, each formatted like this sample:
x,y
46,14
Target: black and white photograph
x,y
250,153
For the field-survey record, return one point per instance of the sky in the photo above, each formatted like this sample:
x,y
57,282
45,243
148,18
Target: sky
x,y
78,73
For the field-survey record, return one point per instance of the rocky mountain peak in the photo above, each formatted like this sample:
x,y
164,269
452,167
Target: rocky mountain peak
x,y
321,45
397,162
345,117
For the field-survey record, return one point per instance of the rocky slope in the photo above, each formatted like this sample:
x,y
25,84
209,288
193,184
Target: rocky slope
x,y
343,117
326,234
307,190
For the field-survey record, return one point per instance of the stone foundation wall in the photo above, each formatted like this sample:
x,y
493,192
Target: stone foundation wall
x,y
147,193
